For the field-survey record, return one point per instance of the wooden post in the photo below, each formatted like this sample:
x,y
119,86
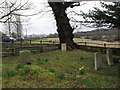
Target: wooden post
x,y
104,44
30,41
53,42
21,41
13,48
40,41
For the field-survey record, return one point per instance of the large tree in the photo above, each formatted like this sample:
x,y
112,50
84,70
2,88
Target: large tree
x,y
64,29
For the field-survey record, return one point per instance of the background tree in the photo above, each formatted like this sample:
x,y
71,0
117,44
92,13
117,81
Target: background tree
x,y
12,13
110,17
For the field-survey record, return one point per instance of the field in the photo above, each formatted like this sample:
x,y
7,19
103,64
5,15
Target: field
x,y
59,69
80,41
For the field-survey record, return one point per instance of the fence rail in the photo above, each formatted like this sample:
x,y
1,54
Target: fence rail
x,y
104,44
13,48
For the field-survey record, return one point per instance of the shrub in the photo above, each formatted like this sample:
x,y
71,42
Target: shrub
x,y
9,73
20,66
24,71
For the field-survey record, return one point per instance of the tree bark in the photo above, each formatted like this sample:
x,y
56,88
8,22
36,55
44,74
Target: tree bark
x,y
64,29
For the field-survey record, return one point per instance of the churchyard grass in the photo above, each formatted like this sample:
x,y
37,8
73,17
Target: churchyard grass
x,y
58,69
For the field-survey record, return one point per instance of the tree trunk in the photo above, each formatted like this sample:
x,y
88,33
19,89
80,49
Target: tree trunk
x,y
64,29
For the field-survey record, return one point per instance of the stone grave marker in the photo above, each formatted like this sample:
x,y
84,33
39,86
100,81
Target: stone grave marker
x,y
98,61
109,57
25,57
63,47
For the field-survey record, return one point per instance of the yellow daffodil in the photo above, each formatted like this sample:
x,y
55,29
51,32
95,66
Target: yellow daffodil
x,y
20,69
81,68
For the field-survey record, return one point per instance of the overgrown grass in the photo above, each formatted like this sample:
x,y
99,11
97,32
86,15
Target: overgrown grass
x,y
57,69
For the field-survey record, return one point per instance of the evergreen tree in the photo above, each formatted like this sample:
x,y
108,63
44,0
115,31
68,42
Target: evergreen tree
x,y
110,17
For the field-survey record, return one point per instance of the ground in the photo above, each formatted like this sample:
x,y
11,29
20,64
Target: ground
x,y
59,69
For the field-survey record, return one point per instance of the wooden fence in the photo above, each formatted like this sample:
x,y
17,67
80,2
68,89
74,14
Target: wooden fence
x,y
99,44
14,48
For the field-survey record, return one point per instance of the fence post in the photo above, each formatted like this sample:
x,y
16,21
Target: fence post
x,y
40,41
53,42
30,41
85,43
104,44
21,41
13,48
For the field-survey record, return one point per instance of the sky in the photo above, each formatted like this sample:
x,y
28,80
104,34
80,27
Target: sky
x,y
46,24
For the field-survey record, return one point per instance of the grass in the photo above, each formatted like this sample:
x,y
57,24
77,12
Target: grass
x,y
58,70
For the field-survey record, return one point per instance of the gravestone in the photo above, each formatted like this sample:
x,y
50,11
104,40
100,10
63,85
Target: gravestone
x,y
63,47
98,61
109,57
25,57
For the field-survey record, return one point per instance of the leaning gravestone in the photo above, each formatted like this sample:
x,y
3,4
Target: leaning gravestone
x,y
25,57
98,60
109,57
63,47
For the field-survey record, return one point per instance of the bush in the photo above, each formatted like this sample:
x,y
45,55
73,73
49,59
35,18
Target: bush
x,y
20,66
24,71
9,73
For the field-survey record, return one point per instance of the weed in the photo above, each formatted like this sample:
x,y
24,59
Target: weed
x,y
57,58
24,71
69,70
41,61
52,70
45,59
27,69
20,66
82,58
60,75
89,83
21,72
35,71
106,79
115,59
86,82
73,76
9,73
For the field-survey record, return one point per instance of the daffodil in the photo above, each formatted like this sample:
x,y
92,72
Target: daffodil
x,y
20,69
81,68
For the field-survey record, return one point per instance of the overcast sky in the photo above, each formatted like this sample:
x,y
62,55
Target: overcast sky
x,y
46,24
